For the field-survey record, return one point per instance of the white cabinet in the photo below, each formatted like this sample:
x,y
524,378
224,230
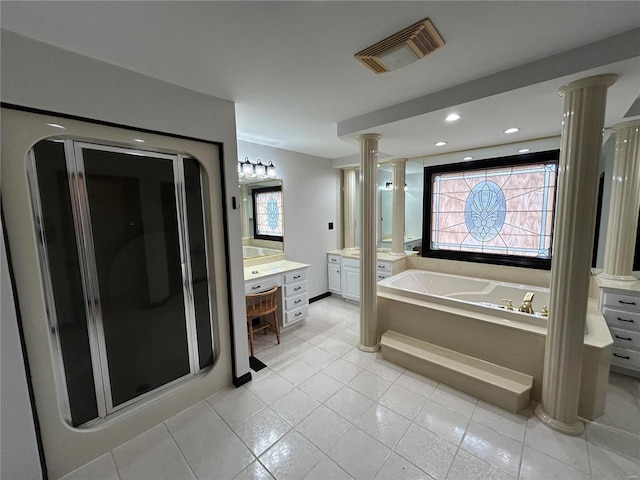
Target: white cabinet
x,y
351,278
621,309
335,285
294,297
344,274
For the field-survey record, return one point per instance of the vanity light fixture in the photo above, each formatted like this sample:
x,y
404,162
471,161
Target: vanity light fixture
x,y
468,158
440,143
452,117
248,170
512,130
261,170
523,150
388,186
271,170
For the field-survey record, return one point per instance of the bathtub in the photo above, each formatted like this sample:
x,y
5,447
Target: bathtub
x,y
249,251
467,315
474,294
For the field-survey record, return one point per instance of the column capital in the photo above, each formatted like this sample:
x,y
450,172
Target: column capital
x,y
369,136
346,169
604,80
627,124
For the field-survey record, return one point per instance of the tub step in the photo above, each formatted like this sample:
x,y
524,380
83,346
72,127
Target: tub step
x,y
492,383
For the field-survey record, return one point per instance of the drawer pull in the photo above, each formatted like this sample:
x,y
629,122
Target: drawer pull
x,y
300,313
334,260
626,303
626,357
297,288
623,338
380,276
256,287
625,320
380,266
296,276
298,301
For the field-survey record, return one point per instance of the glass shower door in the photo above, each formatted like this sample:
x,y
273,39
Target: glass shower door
x,y
137,269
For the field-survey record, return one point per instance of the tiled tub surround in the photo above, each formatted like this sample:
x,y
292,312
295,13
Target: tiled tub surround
x,y
324,410
510,339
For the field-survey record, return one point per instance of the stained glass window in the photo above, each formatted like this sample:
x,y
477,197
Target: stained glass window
x,y
267,204
497,210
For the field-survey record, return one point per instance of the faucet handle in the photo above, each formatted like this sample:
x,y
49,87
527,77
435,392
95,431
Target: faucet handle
x,y
509,303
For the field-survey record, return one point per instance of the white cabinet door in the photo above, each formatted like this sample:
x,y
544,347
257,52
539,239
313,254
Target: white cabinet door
x,y
334,279
351,287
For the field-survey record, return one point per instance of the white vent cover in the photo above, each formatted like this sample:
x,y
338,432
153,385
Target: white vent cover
x,y
402,48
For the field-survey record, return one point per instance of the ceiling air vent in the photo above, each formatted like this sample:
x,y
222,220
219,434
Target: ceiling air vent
x,y
402,48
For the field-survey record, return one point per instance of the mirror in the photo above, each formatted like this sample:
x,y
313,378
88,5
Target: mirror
x,y
262,214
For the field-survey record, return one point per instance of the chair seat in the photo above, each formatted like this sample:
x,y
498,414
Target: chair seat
x,y
262,305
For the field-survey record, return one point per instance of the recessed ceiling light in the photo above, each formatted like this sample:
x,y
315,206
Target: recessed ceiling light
x,y
468,158
523,150
139,140
440,144
512,130
55,125
452,117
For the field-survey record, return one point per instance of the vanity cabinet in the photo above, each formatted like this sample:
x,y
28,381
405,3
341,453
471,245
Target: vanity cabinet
x,y
344,273
291,277
621,309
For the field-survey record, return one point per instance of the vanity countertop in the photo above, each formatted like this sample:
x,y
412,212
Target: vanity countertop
x,y
273,268
385,256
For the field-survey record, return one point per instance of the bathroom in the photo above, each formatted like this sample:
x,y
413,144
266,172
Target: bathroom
x,y
307,180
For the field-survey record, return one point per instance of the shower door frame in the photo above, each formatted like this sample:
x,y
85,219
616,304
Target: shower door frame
x,y
81,208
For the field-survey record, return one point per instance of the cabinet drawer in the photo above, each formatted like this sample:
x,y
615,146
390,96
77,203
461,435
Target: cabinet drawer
x,y
297,301
262,285
622,319
296,276
382,275
625,338
351,262
383,267
623,302
625,357
295,289
296,315
334,258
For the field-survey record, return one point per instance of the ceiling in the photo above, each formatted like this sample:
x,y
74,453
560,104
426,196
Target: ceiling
x,y
289,66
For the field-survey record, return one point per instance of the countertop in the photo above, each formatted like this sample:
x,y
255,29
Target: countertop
x,y
273,268
386,256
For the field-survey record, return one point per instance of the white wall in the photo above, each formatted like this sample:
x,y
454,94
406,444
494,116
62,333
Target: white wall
x,y
311,191
19,458
44,77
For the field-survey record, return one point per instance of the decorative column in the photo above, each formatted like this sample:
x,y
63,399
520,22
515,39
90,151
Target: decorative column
x,y
584,107
368,248
399,181
625,203
349,206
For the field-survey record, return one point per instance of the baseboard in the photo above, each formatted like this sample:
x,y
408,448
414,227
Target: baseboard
x,y
320,297
239,381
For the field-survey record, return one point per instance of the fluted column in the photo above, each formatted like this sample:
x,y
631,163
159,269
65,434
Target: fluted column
x,y
349,207
584,107
399,180
624,204
368,248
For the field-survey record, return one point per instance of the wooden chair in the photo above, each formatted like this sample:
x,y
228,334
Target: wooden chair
x,y
261,305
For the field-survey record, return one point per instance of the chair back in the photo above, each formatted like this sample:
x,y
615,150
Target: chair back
x,y
259,304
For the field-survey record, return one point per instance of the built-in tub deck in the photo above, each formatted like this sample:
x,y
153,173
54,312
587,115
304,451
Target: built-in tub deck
x,y
463,315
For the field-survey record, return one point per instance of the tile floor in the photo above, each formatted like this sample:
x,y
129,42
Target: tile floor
x,y
325,410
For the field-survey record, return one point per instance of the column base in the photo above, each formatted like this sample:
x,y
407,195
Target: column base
x,y
368,349
618,278
575,429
